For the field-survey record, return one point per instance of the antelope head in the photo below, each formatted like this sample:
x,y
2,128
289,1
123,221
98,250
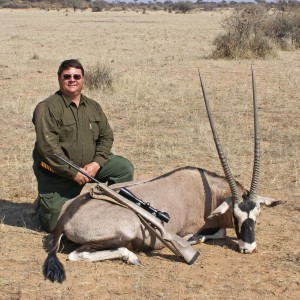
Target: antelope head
x,y
245,208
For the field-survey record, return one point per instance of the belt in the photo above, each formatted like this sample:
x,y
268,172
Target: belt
x,y
47,167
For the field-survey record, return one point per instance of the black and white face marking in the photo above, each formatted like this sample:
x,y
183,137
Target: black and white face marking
x,y
244,216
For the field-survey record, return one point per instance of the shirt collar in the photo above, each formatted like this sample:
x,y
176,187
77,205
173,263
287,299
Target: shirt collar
x,y
68,101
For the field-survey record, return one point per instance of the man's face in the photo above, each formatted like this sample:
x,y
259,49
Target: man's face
x,y
71,82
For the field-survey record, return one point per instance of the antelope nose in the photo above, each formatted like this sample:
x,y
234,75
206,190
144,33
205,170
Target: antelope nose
x,y
247,248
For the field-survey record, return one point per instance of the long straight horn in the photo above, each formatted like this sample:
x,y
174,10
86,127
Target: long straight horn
x,y
255,175
233,187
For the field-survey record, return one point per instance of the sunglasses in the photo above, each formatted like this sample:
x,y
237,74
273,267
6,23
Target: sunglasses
x,y
69,76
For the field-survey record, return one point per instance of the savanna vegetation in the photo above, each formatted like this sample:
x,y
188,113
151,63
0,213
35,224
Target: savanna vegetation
x,y
255,30
143,68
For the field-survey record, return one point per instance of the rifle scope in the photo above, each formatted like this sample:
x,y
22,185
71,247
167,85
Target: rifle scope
x,y
164,216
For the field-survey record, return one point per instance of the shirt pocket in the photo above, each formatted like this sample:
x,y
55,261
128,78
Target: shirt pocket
x,y
94,124
68,130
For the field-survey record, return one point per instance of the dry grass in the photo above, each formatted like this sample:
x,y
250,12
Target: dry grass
x,y
159,121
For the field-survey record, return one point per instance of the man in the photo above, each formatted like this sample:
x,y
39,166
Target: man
x,y
74,127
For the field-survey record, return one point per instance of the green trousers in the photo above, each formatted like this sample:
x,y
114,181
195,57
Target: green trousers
x,y
55,190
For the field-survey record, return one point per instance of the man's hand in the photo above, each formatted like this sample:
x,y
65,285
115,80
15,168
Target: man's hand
x,y
80,178
92,168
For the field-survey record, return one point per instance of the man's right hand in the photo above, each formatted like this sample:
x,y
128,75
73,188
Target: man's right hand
x,y
80,178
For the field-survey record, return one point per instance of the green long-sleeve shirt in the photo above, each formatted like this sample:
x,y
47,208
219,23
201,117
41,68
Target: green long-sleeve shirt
x,y
80,134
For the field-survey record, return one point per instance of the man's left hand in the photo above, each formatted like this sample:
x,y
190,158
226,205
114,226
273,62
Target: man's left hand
x,y
92,168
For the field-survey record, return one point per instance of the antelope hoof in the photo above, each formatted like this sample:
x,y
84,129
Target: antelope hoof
x,y
130,258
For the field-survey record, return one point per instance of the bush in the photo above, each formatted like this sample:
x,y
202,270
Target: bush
x,y
98,5
232,46
16,5
183,6
244,37
99,77
255,32
284,28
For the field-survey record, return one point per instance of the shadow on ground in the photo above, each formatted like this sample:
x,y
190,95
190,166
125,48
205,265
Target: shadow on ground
x,y
18,214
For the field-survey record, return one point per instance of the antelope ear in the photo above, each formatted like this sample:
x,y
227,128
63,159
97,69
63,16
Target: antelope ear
x,y
269,201
221,209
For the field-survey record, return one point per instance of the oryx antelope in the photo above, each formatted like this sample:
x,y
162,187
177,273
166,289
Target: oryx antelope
x,y
197,200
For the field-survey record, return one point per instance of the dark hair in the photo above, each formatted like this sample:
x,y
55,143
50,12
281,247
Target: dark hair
x,y
70,63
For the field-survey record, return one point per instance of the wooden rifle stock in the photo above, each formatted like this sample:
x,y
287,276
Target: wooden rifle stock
x,y
175,243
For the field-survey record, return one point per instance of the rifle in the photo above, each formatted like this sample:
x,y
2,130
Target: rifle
x,y
164,216
175,243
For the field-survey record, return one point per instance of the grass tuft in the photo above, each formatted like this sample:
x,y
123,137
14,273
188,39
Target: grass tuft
x,y
100,76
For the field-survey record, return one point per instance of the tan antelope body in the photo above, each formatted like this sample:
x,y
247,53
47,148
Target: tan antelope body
x,y
196,200
193,192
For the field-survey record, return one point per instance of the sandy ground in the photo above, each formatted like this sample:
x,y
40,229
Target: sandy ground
x,y
156,56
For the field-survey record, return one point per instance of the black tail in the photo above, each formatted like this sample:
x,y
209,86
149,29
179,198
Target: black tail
x,y
53,269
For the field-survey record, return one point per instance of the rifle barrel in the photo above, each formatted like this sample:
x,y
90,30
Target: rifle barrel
x,y
78,169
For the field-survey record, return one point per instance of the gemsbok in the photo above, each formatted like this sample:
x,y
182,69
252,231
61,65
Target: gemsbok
x,y
197,201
